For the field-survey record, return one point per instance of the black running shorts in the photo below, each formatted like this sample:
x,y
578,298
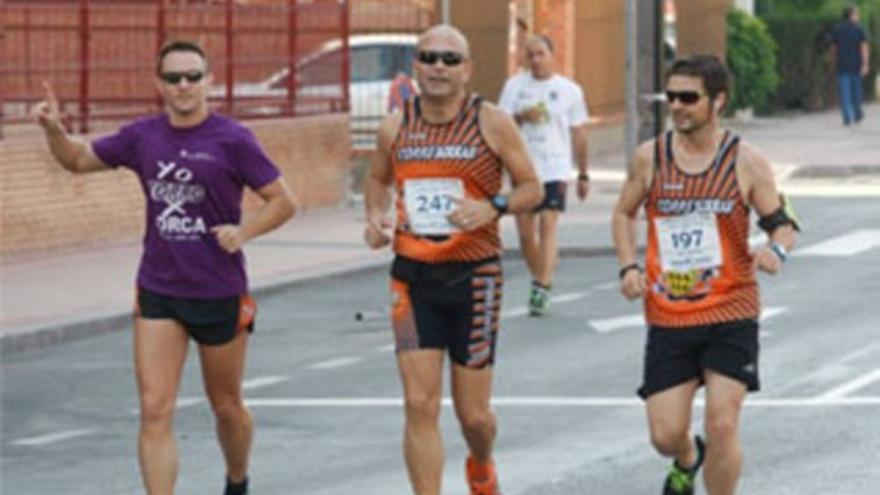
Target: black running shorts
x,y
453,306
554,196
208,321
676,355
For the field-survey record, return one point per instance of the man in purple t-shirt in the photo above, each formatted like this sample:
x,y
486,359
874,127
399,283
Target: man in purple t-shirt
x,y
193,166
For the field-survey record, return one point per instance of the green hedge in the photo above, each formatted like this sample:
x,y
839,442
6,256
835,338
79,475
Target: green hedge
x,y
751,57
804,65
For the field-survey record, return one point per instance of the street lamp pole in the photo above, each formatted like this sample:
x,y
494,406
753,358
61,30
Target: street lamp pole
x,y
631,81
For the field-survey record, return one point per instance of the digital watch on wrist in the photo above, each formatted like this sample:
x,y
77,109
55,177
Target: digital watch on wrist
x,y
500,203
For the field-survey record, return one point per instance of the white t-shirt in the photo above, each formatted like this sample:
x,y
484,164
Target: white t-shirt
x,y
548,141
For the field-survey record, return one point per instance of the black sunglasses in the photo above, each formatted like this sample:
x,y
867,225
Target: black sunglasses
x,y
449,59
686,97
176,77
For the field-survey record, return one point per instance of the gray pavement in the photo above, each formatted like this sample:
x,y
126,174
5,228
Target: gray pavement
x,y
326,398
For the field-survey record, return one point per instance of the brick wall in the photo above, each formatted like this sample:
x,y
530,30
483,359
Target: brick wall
x,y
701,27
45,208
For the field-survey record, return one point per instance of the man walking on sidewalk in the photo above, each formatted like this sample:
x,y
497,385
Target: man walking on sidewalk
x,y
445,154
552,115
193,166
698,183
850,49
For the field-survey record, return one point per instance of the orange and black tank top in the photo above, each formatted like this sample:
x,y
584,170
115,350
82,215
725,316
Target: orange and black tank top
x,y
697,262
433,163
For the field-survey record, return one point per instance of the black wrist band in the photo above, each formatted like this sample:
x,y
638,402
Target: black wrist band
x,y
584,176
626,268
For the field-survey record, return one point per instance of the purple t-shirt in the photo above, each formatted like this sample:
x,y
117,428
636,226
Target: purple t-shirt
x,y
193,179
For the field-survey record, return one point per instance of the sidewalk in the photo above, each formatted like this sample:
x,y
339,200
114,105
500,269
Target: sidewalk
x,y
58,297
52,298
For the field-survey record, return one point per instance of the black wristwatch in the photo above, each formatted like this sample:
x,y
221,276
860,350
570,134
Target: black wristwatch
x,y
626,268
584,177
500,203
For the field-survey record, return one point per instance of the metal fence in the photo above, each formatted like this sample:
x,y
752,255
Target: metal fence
x,y
287,58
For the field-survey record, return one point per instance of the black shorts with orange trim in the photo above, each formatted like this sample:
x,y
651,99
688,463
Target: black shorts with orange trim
x,y
453,306
208,321
554,196
676,355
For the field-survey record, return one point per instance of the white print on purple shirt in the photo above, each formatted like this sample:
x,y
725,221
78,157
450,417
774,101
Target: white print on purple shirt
x,y
174,223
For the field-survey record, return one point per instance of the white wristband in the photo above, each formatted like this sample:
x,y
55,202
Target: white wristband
x,y
779,251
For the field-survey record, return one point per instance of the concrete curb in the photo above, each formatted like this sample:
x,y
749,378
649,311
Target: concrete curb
x,y
40,336
34,337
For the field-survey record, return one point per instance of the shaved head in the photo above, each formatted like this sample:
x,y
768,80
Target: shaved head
x,y
542,40
447,36
539,55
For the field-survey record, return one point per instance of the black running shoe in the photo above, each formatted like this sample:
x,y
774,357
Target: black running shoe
x,y
681,481
232,488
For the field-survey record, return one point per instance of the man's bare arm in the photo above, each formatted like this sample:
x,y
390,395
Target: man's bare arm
x,y
503,136
73,154
377,196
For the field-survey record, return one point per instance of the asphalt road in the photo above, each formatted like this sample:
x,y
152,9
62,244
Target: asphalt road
x,y
325,394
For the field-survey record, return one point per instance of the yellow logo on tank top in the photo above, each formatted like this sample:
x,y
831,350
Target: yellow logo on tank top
x,y
688,285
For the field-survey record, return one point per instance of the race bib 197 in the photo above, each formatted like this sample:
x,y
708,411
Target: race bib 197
x,y
429,201
688,242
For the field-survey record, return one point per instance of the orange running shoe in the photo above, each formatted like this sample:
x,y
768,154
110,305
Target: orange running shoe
x,y
482,479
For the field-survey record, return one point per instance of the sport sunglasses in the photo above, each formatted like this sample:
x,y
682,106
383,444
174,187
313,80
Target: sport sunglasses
x,y
176,77
686,97
449,58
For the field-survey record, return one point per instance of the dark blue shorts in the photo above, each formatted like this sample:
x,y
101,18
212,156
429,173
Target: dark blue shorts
x,y
208,321
554,196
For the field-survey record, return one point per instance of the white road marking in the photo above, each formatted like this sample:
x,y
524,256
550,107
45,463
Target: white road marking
x,y
830,371
515,312
184,402
569,297
772,311
53,437
757,239
352,402
612,285
263,381
853,243
824,189
335,363
603,175
783,171
385,348
851,386
257,382
608,325
519,311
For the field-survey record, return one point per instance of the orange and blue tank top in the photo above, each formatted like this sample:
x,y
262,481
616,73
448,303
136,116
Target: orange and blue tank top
x,y
697,263
430,163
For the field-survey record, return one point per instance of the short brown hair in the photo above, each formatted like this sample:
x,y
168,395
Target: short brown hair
x,y
716,78
179,46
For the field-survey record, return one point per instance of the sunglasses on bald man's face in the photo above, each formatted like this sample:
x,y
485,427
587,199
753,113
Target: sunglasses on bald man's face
x,y
175,77
685,97
449,58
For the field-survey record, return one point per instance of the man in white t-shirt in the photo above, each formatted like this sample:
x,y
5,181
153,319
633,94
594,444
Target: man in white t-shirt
x,y
552,115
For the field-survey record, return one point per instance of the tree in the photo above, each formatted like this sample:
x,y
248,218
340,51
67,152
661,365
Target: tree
x,y
751,57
